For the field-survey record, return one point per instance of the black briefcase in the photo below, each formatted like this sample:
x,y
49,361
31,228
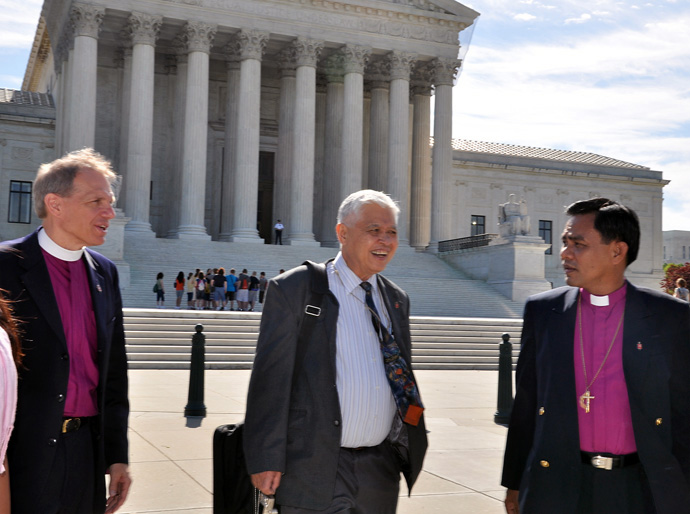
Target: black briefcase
x,y
233,492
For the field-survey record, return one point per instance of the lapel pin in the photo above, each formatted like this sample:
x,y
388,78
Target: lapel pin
x,y
639,345
98,288
397,305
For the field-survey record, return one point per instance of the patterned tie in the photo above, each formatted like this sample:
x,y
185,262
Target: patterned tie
x,y
398,372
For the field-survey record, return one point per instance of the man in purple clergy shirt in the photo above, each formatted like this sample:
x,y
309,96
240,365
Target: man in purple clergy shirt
x,y
601,419
71,424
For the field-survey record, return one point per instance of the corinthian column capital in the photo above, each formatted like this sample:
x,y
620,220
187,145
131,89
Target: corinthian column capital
x,y
198,36
86,19
143,28
355,58
444,71
307,51
248,44
400,64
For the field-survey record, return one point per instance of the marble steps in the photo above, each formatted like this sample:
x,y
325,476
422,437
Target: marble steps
x,y
435,288
161,339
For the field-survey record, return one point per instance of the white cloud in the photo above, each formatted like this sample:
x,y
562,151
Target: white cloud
x,y
524,17
581,19
18,21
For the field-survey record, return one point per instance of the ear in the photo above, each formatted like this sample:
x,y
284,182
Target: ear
x,y
53,204
341,231
620,252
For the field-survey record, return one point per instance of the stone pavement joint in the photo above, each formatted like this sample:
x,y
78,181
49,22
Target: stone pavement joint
x,y
171,456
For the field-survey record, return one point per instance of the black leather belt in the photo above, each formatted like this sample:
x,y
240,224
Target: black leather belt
x,y
609,461
73,424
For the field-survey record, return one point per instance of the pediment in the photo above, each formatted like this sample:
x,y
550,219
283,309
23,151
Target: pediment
x,y
450,7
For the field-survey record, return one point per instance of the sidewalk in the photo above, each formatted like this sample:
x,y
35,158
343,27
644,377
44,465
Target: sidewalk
x,y
171,458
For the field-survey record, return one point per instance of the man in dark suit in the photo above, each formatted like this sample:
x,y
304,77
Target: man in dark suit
x,y
71,423
601,419
335,434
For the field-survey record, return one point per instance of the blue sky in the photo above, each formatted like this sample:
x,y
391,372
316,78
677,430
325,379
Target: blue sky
x,y
602,76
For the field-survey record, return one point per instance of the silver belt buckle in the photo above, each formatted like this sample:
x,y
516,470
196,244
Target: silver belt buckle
x,y
600,462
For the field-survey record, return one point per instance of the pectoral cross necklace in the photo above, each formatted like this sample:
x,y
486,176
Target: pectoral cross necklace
x,y
586,397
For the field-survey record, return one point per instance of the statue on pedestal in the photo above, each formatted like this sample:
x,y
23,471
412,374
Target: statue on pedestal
x,y
513,219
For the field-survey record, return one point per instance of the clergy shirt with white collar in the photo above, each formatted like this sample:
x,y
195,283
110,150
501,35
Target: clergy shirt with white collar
x,y
73,295
366,402
607,427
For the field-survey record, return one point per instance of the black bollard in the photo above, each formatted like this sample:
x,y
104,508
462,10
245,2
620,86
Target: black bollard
x,y
505,381
195,398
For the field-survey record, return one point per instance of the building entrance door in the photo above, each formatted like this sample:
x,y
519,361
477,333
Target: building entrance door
x,y
264,215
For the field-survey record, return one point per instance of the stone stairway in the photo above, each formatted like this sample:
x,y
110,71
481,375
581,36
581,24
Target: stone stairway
x,y
161,339
435,288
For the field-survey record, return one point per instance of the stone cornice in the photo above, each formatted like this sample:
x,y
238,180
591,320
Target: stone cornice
x,y
402,18
86,20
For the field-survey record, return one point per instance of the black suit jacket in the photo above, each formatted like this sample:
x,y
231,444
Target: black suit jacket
x,y
658,382
295,427
44,374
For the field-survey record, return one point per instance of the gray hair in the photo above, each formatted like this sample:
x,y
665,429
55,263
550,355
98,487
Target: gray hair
x,y
352,205
58,176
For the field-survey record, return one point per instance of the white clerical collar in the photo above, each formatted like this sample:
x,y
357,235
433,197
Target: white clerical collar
x,y
56,250
599,301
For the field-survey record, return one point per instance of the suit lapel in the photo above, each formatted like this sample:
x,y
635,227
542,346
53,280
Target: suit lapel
x,y
37,281
636,336
97,286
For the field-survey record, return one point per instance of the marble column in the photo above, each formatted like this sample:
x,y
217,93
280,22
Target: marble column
x,y
283,164
398,186
60,57
319,157
143,30
125,62
302,188
86,22
232,67
377,72
249,46
198,38
444,71
420,189
333,151
355,59
178,129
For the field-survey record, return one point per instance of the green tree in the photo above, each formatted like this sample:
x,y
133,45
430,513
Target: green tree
x,y
673,272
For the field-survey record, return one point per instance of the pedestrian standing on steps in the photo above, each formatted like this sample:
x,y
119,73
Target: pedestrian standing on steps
x,y
179,289
191,283
160,291
278,227
253,290
243,291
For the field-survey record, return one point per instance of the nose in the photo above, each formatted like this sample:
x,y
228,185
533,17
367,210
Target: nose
x,y
109,212
565,250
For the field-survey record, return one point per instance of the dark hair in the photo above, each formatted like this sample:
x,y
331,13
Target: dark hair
x,y
615,222
9,324
160,275
221,271
180,277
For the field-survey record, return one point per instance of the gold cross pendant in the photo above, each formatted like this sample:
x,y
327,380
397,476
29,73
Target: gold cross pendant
x,y
584,400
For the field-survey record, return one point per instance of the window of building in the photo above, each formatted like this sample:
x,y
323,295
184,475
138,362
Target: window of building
x,y
546,233
478,225
20,202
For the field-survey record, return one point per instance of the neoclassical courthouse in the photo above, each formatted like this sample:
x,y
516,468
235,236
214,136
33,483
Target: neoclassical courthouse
x,y
225,115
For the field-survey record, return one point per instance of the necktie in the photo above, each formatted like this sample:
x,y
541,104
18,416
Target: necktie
x,y
398,372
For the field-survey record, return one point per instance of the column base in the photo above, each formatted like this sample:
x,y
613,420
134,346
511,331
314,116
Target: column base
x,y
192,232
244,235
433,247
139,227
306,239
225,237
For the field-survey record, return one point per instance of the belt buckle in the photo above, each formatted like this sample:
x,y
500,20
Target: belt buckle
x,y
68,423
601,462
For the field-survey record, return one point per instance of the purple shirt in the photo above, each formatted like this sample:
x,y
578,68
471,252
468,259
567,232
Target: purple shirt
x,y
607,428
73,295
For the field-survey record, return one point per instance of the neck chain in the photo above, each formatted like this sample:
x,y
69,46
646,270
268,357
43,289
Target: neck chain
x,y
586,397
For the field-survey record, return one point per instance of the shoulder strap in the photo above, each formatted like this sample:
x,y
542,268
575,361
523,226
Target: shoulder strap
x,y
318,287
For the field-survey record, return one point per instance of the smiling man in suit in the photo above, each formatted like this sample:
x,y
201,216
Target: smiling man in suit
x,y
601,420
332,432
71,423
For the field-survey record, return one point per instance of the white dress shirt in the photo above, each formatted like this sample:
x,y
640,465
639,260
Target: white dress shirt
x,y
366,402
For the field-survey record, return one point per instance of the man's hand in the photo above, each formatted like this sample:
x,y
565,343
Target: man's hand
x,y
119,487
267,481
512,506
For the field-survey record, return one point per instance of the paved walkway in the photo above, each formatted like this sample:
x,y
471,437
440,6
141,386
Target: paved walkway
x,y
171,458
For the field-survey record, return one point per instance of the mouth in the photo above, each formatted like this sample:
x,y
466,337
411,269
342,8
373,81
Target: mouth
x,y
102,228
568,269
380,254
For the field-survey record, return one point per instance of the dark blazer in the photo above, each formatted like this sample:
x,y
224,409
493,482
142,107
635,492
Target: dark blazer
x,y
43,377
295,428
658,381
